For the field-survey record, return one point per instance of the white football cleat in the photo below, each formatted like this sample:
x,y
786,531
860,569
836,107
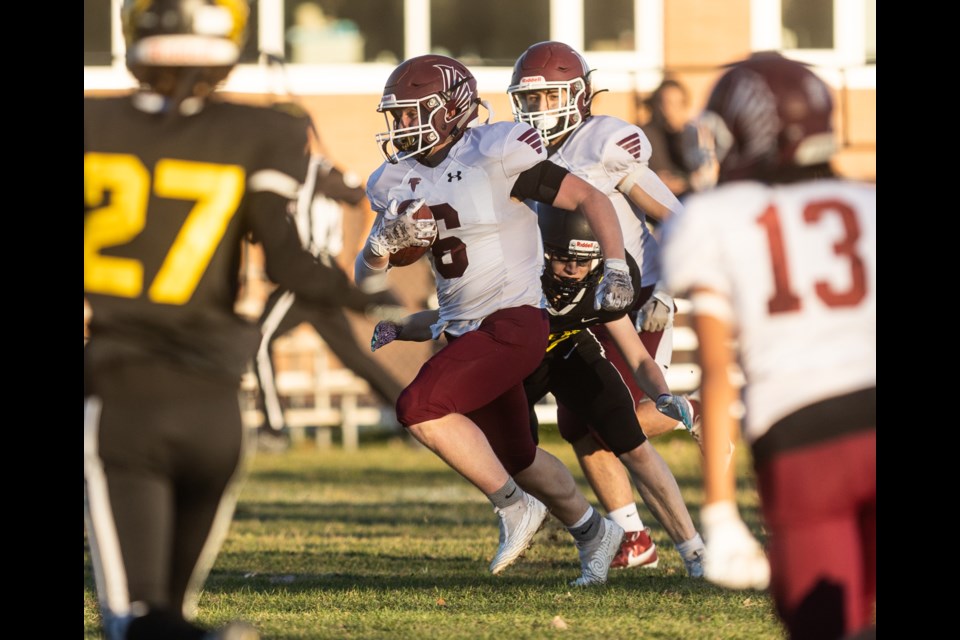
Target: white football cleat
x,y
518,524
597,554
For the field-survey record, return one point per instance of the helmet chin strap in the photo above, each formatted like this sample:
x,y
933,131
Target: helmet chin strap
x,y
486,105
465,118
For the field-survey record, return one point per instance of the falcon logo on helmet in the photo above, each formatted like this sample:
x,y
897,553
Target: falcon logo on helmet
x,y
444,94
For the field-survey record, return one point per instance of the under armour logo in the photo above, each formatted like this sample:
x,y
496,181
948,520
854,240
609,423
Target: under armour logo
x,y
413,183
451,176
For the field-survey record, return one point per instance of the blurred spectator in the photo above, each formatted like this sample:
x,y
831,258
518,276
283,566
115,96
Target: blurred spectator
x,y
672,137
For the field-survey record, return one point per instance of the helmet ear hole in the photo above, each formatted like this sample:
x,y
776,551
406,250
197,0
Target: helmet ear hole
x,y
442,90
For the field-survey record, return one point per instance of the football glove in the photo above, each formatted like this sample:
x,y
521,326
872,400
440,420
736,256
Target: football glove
x,y
734,558
615,291
655,313
397,230
676,407
384,333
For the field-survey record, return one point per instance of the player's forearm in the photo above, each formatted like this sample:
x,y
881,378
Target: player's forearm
x,y
601,215
368,266
718,396
650,378
650,193
647,373
575,193
416,327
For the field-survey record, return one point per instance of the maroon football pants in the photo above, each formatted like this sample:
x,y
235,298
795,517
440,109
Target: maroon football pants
x,y
820,507
480,374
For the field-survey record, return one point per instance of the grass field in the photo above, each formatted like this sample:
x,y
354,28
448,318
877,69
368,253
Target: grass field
x,y
388,542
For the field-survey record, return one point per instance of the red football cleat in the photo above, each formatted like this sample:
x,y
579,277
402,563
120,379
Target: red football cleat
x,y
636,550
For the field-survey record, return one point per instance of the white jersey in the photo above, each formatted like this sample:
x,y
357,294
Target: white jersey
x,y
798,264
603,151
488,254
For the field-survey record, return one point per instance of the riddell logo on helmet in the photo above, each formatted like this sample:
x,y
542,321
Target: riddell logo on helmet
x,y
586,246
532,80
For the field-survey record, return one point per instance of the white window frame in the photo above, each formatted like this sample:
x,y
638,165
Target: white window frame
x,y
845,63
617,71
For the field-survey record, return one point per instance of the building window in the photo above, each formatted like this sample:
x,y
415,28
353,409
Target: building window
x,y
97,49
491,33
359,40
609,27
807,24
838,35
342,32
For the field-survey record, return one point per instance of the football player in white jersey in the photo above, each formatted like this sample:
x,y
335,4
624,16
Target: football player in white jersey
x,y
467,403
781,257
551,90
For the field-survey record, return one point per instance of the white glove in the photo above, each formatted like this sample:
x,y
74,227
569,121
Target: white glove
x,y
384,333
615,291
676,407
734,559
397,230
655,313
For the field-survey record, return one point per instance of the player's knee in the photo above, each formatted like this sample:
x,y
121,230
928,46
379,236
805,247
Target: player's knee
x,y
516,461
414,406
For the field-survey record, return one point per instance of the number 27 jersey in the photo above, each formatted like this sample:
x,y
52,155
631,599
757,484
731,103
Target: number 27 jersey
x,y
798,264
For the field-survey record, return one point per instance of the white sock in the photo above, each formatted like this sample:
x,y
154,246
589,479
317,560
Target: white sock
x,y
689,548
627,517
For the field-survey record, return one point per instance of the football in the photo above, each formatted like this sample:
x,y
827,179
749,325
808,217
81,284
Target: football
x,y
410,255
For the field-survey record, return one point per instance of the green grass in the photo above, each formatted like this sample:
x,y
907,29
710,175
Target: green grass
x,y
388,542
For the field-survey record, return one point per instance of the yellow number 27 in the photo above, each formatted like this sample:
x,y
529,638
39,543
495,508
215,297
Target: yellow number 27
x,y
215,188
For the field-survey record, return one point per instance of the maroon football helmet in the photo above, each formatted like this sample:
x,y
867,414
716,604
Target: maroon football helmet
x,y
552,66
769,116
445,94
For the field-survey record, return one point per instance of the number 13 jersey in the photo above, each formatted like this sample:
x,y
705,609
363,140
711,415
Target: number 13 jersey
x,y
798,265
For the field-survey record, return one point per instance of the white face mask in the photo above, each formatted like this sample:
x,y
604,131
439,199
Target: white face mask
x,y
551,122
544,122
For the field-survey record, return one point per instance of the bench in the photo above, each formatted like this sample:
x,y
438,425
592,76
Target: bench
x,y
316,396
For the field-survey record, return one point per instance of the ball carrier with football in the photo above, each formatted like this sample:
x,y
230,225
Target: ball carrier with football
x,y
418,234
467,403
